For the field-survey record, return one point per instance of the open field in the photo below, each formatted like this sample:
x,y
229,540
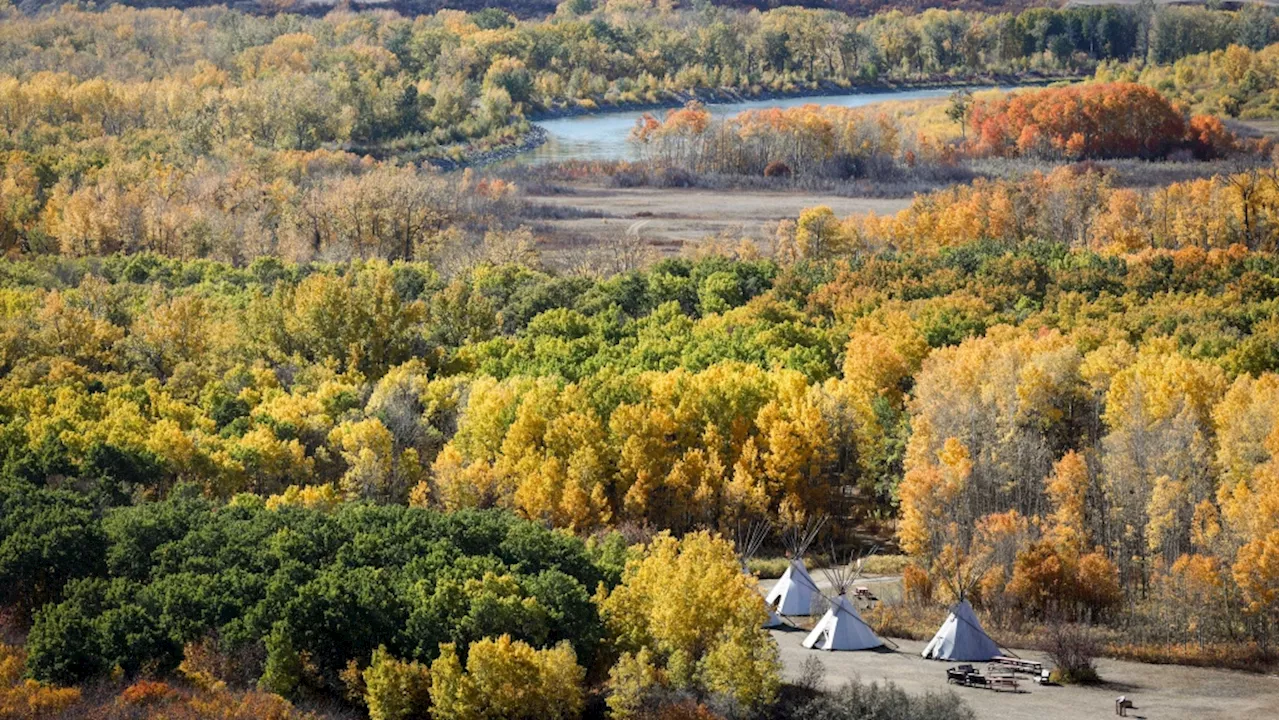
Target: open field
x,y
668,218
1252,128
1167,692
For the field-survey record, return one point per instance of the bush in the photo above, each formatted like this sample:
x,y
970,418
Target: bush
x,y
394,689
1072,648
777,169
856,701
917,587
146,692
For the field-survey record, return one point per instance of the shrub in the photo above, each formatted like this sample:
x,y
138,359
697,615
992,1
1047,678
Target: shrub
x,y
917,587
146,692
1097,583
1072,648
394,689
777,169
1041,578
508,679
856,701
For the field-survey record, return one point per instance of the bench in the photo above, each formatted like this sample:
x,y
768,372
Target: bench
x,y
962,675
1030,667
1001,683
977,680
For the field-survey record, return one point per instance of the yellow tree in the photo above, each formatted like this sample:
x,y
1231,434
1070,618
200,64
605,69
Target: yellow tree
x,y
1156,457
707,636
506,678
395,689
1068,490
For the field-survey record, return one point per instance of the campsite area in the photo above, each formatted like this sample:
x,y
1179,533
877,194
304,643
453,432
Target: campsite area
x,y
1164,692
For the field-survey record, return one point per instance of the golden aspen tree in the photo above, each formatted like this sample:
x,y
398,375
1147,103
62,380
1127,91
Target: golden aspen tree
x,y
707,637
395,689
1068,490
507,678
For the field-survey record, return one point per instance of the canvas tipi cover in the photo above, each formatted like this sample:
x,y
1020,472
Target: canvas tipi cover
x,y
774,620
961,637
794,592
842,628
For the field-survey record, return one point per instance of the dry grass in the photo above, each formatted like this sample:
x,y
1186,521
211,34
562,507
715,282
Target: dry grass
x,y
920,622
926,118
1236,656
905,620
885,564
768,568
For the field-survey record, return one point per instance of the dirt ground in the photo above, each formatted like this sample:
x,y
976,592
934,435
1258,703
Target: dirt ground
x,y
667,218
1159,692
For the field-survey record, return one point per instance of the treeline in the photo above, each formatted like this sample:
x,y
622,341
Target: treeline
x,y
213,133
1076,122
691,394
1076,206
395,610
1235,81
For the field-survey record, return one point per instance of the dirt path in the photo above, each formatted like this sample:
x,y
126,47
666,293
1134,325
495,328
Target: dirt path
x,y
668,218
1159,692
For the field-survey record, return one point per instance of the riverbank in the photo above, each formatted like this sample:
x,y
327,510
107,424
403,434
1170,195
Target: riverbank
x,y
524,142
460,156
598,105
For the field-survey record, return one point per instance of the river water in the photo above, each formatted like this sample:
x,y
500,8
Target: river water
x,y
603,136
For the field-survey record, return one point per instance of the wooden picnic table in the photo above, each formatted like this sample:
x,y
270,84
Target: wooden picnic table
x,y
1001,683
969,676
1031,667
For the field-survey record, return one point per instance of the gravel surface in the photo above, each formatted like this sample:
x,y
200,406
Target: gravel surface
x,y
1159,692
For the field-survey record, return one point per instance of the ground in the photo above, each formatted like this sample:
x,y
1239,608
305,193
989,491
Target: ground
x,y
667,218
1159,692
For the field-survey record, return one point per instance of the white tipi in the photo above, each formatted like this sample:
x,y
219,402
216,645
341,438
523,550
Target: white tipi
x,y
842,628
747,543
961,637
795,591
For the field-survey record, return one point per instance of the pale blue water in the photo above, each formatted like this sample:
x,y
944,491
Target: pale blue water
x,y
603,136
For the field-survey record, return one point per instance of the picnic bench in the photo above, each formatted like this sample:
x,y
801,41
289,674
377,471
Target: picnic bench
x,y
1002,683
966,675
969,676
1030,667
863,593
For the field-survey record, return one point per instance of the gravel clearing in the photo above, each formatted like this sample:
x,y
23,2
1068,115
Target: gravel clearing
x,y
1159,692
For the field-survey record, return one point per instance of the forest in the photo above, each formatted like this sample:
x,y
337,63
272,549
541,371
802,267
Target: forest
x,y
299,417
212,133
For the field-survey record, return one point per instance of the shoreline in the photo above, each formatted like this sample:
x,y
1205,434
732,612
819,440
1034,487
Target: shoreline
x,y
537,135
720,95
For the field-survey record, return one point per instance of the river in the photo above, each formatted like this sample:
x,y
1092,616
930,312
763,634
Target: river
x,y
603,135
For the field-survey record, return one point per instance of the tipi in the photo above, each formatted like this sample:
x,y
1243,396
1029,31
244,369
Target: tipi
x,y
961,637
747,543
842,628
795,591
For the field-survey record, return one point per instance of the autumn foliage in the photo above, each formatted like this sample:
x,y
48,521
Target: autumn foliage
x,y
1080,207
1094,120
